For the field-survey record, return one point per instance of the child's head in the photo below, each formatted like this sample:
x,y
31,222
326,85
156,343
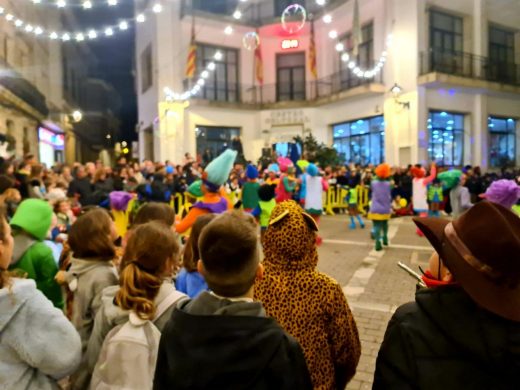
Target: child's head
x,y
92,236
436,182
62,206
229,254
191,250
153,250
154,211
266,192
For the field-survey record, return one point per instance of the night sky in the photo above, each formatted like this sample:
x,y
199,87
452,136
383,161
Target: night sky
x,y
116,58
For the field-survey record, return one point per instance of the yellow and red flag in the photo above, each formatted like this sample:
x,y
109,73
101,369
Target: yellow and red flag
x,y
312,53
191,64
259,65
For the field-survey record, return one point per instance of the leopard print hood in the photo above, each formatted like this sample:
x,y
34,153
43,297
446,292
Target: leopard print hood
x,y
290,240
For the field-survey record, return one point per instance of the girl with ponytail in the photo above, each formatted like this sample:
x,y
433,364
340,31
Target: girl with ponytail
x,y
151,254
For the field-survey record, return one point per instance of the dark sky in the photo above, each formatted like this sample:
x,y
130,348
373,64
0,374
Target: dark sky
x,y
116,57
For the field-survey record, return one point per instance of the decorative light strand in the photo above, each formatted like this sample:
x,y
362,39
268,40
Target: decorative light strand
x,y
333,34
88,33
85,4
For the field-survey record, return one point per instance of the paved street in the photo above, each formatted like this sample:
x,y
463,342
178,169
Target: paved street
x,y
373,283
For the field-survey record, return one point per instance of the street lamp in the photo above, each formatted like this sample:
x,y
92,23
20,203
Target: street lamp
x,y
77,116
396,91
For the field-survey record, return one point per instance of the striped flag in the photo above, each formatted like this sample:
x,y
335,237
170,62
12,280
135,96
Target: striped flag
x,y
259,65
191,64
312,53
357,37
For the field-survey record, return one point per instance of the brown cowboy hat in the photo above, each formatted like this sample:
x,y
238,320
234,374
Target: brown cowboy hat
x,y
482,250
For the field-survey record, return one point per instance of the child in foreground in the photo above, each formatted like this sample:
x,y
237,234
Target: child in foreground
x,y
189,280
223,339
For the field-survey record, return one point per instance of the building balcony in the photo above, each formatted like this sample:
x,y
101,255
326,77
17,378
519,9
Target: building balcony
x,y
332,88
253,13
15,83
458,68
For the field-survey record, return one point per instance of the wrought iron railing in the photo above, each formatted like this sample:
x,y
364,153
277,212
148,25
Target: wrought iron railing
x,y
283,92
470,66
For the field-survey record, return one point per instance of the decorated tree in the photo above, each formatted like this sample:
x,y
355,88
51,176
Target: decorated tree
x,y
318,152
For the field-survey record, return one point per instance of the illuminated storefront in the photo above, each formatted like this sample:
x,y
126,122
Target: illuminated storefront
x,y
51,146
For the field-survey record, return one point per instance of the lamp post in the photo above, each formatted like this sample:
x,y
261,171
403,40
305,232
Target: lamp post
x,y
396,90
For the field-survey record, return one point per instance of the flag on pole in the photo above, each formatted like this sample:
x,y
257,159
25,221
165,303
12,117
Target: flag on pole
x,y
312,53
259,65
191,64
357,37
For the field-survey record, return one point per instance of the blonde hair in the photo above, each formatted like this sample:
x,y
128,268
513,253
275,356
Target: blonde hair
x,y
152,248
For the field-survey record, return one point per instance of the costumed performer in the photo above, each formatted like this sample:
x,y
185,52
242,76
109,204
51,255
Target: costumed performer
x,y
250,189
215,175
288,181
314,185
503,192
381,207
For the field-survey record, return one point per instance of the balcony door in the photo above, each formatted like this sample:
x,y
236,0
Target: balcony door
x,y
501,64
446,43
290,77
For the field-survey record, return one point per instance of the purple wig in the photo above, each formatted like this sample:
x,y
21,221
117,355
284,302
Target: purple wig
x,y
503,192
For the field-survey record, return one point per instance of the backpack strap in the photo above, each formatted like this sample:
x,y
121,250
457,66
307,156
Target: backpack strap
x,y
165,304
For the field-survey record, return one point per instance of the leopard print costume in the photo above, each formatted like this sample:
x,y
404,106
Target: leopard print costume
x,y
308,304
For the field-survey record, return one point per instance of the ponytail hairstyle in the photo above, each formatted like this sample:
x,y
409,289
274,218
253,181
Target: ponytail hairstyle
x,y
154,250
191,250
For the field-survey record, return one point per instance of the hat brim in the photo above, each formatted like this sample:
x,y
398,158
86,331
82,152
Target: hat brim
x,y
501,300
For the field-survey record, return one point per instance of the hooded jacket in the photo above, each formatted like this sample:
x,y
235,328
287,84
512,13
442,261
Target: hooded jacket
x,y
444,340
87,279
308,304
31,256
38,345
213,343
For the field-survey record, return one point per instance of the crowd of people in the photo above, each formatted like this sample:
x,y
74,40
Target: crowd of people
x,y
184,301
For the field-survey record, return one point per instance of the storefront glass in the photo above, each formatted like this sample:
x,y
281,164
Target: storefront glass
x,y
216,139
446,138
361,141
502,141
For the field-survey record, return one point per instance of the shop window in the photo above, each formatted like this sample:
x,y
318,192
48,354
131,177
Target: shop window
x,y
446,138
223,7
146,69
215,139
290,77
502,141
361,141
222,84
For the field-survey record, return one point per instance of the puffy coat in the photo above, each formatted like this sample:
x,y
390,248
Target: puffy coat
x,y
445,341
38,345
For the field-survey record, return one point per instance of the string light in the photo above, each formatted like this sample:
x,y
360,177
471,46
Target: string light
x,y
85,4
90,33
333,34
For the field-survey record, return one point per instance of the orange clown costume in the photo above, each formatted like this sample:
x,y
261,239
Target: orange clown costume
x,y
212,202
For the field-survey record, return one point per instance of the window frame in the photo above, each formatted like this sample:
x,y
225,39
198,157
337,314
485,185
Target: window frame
x,y
292,92
347,80
369,159
202,61
147,68
454,132
502,133
202,128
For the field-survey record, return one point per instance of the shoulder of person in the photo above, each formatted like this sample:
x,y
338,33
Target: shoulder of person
x,y
39,249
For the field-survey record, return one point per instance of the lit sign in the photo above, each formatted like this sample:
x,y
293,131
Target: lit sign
x,y
290,44
56,140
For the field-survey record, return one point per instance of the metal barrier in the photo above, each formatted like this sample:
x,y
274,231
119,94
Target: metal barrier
x,y
336,199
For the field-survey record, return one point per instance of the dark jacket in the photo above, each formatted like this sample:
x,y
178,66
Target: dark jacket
x,y
83,188
445,341
213,343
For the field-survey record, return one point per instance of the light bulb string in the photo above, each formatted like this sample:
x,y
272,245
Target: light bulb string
x,y
88,33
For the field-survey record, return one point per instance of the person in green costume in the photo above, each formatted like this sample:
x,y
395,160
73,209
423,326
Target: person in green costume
x,y
31,256
250,190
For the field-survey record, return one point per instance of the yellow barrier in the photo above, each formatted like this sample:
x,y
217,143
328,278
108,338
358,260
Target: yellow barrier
x,y
336,198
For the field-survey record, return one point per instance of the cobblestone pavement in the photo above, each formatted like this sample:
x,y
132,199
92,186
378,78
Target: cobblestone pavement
x,y
373,283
